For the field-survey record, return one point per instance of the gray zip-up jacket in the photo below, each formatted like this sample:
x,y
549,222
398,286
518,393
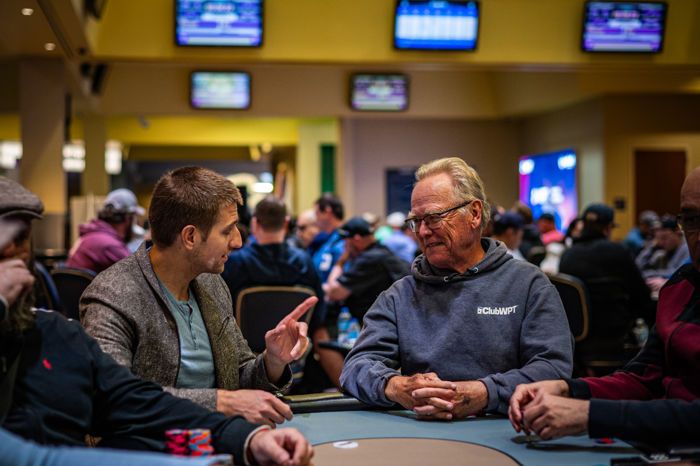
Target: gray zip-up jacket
x,y
501,322
125,310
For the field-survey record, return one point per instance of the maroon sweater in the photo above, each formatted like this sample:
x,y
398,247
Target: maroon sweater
x,y
666,369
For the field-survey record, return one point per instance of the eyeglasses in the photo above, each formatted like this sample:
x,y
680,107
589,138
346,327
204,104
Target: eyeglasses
x,y
434,219
689,222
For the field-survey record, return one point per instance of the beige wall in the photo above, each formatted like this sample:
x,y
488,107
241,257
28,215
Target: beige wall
x,y
371,145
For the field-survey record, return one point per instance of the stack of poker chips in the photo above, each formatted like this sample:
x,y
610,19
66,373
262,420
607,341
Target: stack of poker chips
x,y
194,442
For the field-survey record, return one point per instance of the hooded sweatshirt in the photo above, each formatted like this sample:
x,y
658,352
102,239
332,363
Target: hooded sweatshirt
x,y
501,322
98,247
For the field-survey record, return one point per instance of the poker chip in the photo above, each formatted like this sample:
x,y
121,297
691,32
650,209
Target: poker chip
x,y
194,442
176,442
200,442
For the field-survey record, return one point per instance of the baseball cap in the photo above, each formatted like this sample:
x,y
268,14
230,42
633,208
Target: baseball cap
x,y
508,220
15,199
599,214
396,219
124,200
546,216
355,226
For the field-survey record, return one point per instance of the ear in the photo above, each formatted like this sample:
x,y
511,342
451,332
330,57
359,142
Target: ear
x,y
189,236
476,208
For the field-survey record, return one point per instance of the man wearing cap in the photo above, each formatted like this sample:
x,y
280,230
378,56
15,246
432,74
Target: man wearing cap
x,y
469,324
57,386
617,290
655,398
508,228
401,241
548,229
165,312
103,241
365,269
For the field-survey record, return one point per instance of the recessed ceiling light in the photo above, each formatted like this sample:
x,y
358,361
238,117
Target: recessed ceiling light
x,y
50,46
27,11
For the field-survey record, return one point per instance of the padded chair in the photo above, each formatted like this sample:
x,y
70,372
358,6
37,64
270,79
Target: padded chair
x,y
46,294
261,308
70,284
574,297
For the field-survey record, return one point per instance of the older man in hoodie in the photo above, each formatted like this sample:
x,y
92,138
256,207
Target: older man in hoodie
x,y
471,323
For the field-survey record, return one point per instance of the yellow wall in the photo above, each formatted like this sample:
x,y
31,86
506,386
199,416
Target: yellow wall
x,y
511,31
9,127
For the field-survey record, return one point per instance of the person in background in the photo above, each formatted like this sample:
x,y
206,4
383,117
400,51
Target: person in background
x,y
401,241
470,323
668,252
642,235
103,241
166,313
329,216
306,231
531,235
57,386
656,397
508,229
548,229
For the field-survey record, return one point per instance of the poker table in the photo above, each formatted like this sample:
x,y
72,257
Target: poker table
x,y
371,437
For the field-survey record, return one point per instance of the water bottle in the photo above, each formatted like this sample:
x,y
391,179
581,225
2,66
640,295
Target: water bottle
x,y
344,319
641,332
353,331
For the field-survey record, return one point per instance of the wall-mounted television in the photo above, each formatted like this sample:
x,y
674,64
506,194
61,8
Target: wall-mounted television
x,y
548,185
219,23
379,92
623,26
220,90
436,25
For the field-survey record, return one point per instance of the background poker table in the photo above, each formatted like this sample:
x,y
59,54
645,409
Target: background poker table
x,y
343,437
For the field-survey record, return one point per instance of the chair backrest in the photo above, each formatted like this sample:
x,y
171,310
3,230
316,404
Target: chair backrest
x,y
574,296
47,296
70,284
260,308
536,255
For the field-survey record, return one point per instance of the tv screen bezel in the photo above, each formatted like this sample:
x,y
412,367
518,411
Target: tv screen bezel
x,y
250,90
351,87
262,31
413,49
631,52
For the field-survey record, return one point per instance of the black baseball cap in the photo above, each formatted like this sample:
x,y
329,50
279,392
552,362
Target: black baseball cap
x,y
598,214
355,226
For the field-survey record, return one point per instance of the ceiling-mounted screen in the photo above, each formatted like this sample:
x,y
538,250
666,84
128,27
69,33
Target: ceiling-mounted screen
x,y
220,90
222,23
436,25
379,92
548,185
624,26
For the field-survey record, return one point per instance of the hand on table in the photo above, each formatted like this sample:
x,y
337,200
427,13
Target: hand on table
x,y
526,393
400,389
256,406
469,397
285,447
287,342
551,416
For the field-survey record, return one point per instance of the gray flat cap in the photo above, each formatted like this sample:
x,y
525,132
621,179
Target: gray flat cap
x,y
16,200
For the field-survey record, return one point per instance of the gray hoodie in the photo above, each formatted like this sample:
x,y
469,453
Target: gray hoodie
x,y
501,322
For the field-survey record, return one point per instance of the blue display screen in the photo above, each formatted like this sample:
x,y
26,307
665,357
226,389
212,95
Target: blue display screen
x,y
624,26
436,25
220,90
548,185
232,23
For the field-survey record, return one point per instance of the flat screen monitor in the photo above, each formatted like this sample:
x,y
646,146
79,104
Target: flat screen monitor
x,y
623,27
436,25
548,185
223,23
379,92
220,90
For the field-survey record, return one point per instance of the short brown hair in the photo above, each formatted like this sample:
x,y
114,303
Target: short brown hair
x,y
270,214
188,196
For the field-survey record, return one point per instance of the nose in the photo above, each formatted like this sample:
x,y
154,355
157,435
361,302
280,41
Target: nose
x,y
423,230
236,242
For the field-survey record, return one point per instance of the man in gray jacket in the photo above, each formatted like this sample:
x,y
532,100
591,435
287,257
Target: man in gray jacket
x,y
471,323
165,312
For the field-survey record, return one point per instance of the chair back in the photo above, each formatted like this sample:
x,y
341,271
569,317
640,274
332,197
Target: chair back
x,y
47,296
574,297
70,284
260,308
536,255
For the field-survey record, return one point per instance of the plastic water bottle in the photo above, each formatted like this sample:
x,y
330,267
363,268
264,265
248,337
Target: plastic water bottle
x,y
344,319
353,331
641,332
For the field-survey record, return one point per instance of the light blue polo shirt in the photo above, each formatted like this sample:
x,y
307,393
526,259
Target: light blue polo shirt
x,y
196,360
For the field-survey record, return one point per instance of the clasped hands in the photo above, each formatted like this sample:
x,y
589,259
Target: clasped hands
x,y
432,398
